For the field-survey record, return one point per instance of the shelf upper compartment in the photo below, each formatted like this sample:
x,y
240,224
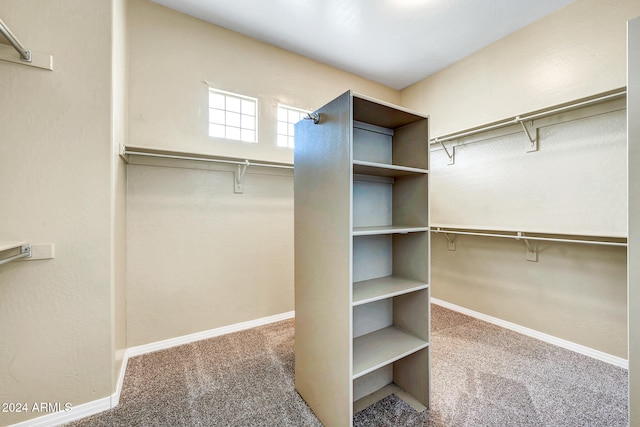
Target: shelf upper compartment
x,y
382,347
382,169
372,290
380,113
387,229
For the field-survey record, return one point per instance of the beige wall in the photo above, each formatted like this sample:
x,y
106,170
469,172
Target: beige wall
x,y
633,87
56,316
576,52
119,185
199,255
175,54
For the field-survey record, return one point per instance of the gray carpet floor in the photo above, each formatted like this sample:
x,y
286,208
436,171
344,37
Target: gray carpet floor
x,y
482,375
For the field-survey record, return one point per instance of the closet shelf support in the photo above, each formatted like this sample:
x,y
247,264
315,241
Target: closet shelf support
x,y
533,138
26,56
451,241
452,155
25,252
531,247
242,170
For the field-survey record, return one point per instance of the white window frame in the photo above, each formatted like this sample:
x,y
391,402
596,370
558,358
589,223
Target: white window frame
x,y
284,128
232,119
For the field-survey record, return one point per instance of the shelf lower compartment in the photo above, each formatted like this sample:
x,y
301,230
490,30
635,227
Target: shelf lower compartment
x,y
367,291
387,229
382,347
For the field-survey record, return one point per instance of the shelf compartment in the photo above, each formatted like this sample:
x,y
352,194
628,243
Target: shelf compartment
x,y
401,143
393,203
382,169
371,290
382,347
407,378
399,255
387,229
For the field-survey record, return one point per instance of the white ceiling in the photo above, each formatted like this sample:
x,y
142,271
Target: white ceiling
x,y
393,42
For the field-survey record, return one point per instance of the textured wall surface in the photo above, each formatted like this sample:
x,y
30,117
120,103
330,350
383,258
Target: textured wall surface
x,y
55,166
575,183
576,52
201,256
169,100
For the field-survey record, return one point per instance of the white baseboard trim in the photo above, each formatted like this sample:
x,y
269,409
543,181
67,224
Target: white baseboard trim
x,y
115,397
62,417
106,403
578,348
211,333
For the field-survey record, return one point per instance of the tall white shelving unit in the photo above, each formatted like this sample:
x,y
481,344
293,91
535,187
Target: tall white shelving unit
x,y
361,257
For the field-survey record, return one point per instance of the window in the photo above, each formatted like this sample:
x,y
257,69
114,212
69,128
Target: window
x,y
287,117
232,116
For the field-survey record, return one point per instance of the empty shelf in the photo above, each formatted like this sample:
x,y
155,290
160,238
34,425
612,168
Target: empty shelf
x,y
371,290
384,346
382,169
387,229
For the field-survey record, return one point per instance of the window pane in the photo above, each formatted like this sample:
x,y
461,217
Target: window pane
x,y
248,122
282,141
233,133
290,129
248,107
282,128
282,114
216,116
216,100
294,116
290,142
233,119
233,104
232,116
216,131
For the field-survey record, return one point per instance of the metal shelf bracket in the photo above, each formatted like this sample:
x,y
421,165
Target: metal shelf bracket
x,y
25,252
452,155
532,135
239,177
531,247
451,241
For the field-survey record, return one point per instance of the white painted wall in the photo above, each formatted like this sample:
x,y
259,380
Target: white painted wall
x,y
200,256
58,330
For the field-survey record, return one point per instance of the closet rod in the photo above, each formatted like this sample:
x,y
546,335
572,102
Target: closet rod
x,y
126,151
522,236
25,252
530,116
25,54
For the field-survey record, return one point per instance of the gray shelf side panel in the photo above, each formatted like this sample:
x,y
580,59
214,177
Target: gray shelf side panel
x,y
322,223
